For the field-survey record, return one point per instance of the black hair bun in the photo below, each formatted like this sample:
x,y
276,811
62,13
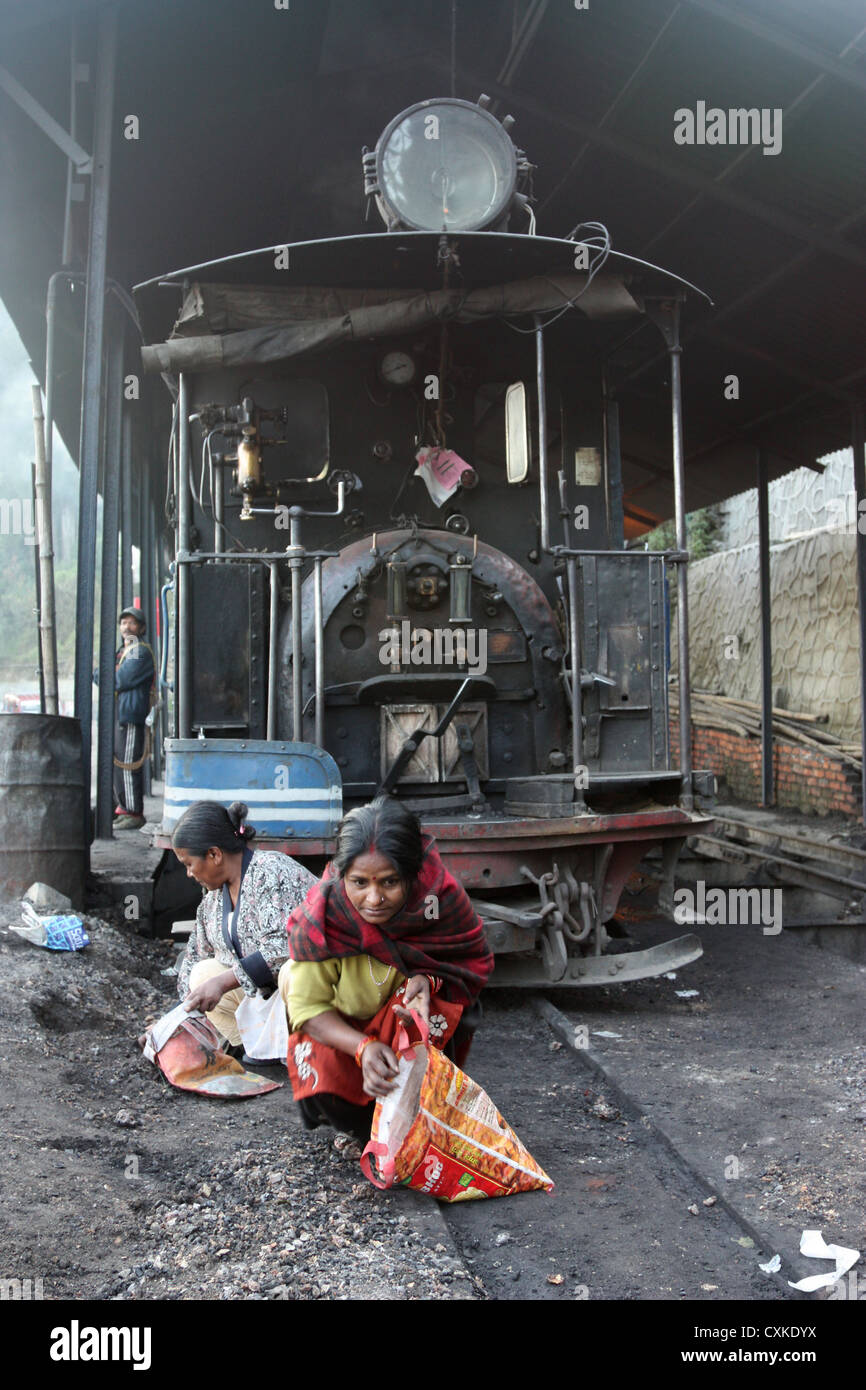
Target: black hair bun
x,y
237,814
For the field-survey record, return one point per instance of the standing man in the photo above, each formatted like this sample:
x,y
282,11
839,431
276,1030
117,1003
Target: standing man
x,y
134,674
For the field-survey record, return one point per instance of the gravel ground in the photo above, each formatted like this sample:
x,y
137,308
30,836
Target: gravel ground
x,y
124,1188
120,1187
285,1219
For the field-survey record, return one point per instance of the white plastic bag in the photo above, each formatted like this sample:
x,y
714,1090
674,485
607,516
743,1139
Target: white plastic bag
x,y
263,1026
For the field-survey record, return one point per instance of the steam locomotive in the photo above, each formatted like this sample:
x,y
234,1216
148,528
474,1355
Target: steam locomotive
x,y
395,488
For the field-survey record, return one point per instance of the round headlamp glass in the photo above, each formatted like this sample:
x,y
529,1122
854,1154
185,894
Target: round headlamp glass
x,y
445,166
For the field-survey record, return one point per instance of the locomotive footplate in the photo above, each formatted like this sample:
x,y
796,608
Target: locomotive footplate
x,y
600,970
555,885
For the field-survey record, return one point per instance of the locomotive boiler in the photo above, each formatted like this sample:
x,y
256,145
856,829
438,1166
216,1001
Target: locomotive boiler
x,y
395,489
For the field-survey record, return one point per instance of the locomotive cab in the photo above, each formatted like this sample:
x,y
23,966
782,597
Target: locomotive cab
x,y
400,552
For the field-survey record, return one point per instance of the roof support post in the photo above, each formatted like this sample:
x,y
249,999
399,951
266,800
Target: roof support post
x,y
150,598
857,444
767,788
665,314
108,605
91,387
541,393
127,591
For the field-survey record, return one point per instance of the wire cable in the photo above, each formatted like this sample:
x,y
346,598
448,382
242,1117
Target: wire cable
x,y
599,242
171,466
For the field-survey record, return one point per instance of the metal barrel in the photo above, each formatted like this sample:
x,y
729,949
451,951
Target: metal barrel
x,y
41,805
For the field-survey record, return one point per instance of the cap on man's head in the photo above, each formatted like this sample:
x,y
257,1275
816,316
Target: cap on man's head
x,y
135,613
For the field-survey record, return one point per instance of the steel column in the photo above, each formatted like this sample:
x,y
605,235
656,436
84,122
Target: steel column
x,y
685,693
146,571
857,445
127,590
159,635
541,393
108,606
91,384
767,788
66,248
614,508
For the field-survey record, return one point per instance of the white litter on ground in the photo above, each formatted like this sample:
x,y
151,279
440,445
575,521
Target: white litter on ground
x,y
814,1247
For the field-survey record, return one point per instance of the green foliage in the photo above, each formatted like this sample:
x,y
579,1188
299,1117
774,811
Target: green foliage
x,y
701,528
19,637
662,538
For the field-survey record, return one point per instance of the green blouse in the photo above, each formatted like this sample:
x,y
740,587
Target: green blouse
x,y
356,986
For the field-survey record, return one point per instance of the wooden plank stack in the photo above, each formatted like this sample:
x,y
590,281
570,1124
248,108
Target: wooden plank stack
x,y
743,717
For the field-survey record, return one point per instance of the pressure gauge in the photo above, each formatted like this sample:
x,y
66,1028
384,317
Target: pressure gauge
x,y
397,369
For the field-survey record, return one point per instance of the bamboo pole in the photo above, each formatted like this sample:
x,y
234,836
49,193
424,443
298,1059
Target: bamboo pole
x,y
753,705
742,717
44,534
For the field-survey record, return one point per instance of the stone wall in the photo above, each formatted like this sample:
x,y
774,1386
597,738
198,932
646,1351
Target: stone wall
x,y
813,584
801,501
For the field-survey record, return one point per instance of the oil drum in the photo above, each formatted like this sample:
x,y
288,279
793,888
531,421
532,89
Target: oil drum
x,y
41,805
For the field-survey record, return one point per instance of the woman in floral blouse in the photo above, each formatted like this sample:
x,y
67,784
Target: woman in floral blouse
x,y
239,943
387,928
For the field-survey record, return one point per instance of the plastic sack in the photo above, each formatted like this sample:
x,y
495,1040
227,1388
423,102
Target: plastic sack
x,y
185,1046
438,1132
263,1026
54,933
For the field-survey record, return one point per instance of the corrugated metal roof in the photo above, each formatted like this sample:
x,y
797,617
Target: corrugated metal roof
x,y
252,122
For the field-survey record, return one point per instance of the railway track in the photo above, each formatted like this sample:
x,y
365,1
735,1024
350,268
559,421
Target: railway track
x,y
835,870
631,1217
694,1126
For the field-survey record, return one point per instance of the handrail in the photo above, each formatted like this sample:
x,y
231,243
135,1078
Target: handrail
x,y
163,613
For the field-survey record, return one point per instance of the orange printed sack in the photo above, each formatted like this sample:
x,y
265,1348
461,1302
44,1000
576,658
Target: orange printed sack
x,y
185,1047
440,1133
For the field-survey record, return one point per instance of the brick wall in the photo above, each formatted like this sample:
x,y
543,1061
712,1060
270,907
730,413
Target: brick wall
x,y
804,779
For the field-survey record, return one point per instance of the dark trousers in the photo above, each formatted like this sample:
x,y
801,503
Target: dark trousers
x,y
129,786
328,1109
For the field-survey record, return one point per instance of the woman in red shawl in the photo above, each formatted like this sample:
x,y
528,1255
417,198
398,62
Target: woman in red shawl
x,y
387,928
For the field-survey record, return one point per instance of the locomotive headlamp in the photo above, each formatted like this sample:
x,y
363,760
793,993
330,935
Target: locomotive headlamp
x,y
443,166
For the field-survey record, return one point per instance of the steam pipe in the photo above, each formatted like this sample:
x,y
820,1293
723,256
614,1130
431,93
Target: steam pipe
x,y
165,684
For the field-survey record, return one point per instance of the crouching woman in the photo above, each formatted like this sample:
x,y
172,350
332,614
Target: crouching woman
x,y
387,929
239,942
